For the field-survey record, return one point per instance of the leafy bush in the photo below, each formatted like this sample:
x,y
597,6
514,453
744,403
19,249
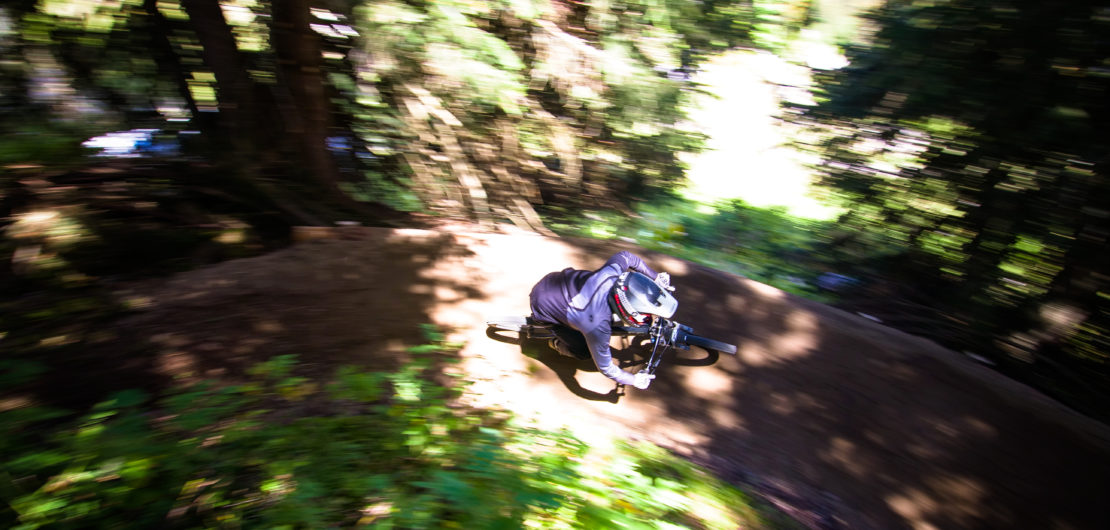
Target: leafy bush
x,y
55,144
365,448
764,244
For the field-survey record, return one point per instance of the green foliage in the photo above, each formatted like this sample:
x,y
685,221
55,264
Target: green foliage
x,y
765,244
555,96
777,22
446,105
992,195
392,450
57,145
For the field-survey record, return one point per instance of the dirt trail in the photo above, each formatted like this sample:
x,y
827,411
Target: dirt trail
x,y
841,421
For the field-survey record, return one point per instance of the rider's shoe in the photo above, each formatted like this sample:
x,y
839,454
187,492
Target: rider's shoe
x,y
560,346
563,348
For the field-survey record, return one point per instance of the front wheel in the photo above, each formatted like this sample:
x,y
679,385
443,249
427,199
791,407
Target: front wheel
x,y
710,344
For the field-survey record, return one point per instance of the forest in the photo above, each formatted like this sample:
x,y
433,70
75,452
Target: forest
x,y
961,143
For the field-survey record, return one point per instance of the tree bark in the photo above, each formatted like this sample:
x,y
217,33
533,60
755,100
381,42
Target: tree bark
x,y
307,114
169,63
238,109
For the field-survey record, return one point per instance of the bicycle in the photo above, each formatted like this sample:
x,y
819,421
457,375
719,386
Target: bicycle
x,y
661,333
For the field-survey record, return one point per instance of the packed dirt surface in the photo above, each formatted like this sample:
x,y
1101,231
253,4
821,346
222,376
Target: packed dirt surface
x,y
841,422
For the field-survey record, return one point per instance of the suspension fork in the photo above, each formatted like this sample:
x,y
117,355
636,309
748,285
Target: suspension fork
x,y
666,333
660,335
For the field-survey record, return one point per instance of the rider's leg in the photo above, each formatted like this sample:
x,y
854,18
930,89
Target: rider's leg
x,y
570,342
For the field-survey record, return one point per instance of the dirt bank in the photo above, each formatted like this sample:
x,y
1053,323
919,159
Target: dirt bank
x,y
841,421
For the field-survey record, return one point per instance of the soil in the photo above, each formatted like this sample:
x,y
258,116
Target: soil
x,y
838,420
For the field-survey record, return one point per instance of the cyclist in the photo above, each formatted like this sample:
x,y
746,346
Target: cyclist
x,y
583,306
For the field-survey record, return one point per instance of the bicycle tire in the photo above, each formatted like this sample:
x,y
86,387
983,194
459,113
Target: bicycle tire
x,y
710,344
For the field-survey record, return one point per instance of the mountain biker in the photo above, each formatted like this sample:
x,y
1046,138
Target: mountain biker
x,y
583,306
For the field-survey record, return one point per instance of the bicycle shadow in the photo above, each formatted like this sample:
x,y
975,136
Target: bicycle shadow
x,y
563,367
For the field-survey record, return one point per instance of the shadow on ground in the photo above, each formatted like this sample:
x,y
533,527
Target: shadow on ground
x,y
330,303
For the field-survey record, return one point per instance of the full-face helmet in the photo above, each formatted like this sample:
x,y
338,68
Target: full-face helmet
x,y
634,297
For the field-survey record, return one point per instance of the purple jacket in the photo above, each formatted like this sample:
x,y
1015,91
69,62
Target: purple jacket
x,y
577,299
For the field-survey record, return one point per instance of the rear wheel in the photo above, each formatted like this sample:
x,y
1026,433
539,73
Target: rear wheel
x,y
521,325
711,344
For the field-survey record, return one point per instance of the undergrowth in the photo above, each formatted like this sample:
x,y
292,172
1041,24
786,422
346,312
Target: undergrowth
x,y
383,449
765,244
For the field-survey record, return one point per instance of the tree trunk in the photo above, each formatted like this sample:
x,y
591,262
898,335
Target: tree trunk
x,y
238,109
289,119
169,63
307,112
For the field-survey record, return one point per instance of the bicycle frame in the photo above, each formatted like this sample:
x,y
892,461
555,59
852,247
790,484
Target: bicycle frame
x,y
663,333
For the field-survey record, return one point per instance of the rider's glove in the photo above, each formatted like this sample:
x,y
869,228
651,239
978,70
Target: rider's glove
x,y
642,379
664,280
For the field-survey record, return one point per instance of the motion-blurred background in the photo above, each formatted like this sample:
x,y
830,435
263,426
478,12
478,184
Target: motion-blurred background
x,y
939,166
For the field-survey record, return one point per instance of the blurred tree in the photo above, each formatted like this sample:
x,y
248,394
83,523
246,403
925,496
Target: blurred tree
x,y
301,73
959,136
457,106
280,115
491,107
244,108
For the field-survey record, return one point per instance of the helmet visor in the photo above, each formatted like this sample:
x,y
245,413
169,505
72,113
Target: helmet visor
x,y
645,296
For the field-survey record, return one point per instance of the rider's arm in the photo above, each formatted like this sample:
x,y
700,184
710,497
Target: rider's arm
x,y
589,312
598,340
627,260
